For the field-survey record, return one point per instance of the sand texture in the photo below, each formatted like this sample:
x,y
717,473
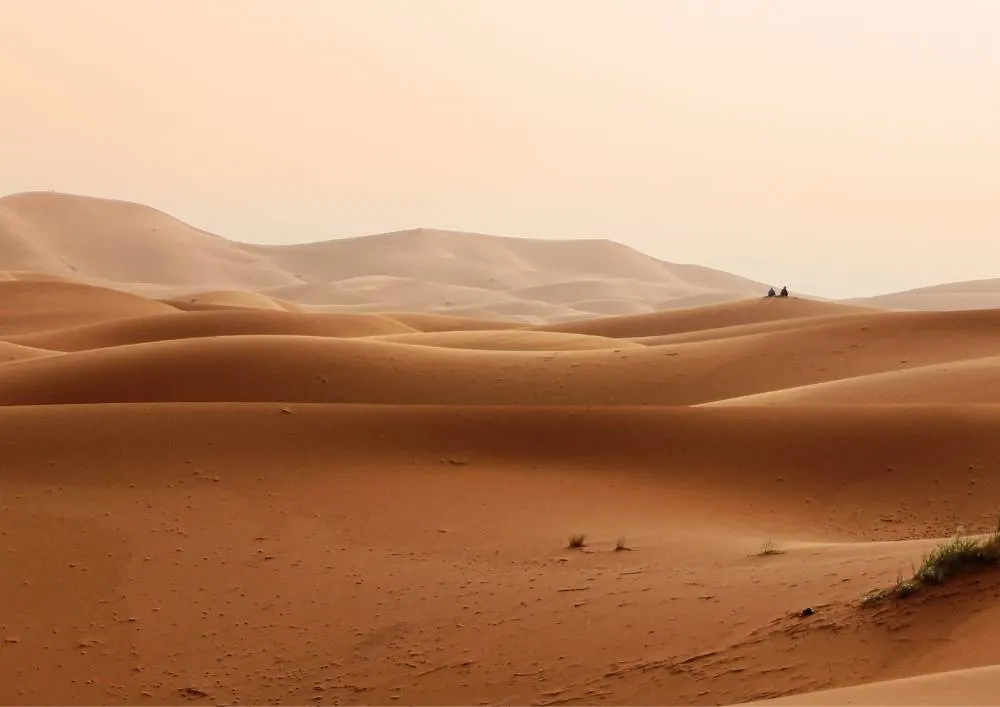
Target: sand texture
x,y
291,475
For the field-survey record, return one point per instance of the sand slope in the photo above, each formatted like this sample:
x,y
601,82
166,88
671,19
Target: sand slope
x,y
30,305
971,294
422,321
974,381
142,250
285,592
709,317
212,494
109,241
15,352
514,340
737,330
200,324
252,300
310,368
974,686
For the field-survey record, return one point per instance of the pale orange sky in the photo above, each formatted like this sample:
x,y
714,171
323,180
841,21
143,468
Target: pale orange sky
x,y
844,147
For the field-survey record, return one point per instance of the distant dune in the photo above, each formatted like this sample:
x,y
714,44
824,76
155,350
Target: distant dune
x,y
708,317
142,250
426,322
349,473
973,294
510,340
105,241
229,298
139,249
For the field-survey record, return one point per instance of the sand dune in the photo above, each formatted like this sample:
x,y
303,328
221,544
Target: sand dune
x,y
426,602
142,250
528,311
693,319
321,369
426,322
603,307
974,381
107,241
737,330
569,292
16,352
28,275
510,341
972,294
973,686
379,291
193,325
346,473
30,306
481,261
145,251
251,300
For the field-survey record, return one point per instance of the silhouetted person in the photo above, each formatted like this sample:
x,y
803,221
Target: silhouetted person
x,y
770,293
784,292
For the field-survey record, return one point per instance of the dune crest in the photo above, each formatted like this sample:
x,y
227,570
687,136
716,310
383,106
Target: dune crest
x,y
48,305
211,323
145,251
512,340
708,317
972,686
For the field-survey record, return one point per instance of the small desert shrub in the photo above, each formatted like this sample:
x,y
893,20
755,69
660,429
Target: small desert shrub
x,y
906,588
944,561
577,541
959,554
769,548
621,545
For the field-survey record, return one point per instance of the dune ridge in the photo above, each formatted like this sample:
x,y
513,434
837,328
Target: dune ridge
x,y
694,319
972,686
493,277
308,368
210,323
967,381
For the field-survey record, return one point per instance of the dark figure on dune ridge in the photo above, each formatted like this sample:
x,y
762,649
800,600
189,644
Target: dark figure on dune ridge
x,y
770,293
784,292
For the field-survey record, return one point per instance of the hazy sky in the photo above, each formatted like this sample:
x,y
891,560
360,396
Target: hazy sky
x,y
846,147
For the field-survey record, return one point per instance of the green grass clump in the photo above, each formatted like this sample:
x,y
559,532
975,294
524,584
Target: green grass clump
x,y
945,561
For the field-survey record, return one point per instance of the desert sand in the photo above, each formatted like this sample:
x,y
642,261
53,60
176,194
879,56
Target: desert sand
x,y
294,475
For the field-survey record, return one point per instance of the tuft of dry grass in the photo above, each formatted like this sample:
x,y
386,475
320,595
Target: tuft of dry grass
x,y
769,548
577,541
957,555
621,545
